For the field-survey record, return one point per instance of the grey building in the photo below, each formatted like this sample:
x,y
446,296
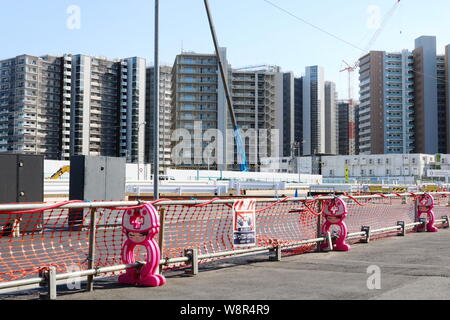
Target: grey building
x,y
165,115
331,121
313,111
33,91
288,118
298,116
108,107
199,105
343,128
65,105
426,99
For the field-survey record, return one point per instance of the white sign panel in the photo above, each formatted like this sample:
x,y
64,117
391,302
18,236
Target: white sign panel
x,y
244,220
438,173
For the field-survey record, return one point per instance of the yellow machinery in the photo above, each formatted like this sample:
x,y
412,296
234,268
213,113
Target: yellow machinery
x,y
60,172
430,188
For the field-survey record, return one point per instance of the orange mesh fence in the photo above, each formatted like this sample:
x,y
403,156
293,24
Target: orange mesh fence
x,y
60,237
441,206
209,229
379,213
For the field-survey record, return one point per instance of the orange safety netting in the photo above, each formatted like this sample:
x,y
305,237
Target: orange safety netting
x,y
60,237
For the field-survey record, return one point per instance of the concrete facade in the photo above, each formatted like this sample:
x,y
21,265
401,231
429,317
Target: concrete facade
x,y
165,115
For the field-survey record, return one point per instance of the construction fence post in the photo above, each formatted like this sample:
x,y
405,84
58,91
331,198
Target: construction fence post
x,y
447,222
92,243
277,254
319,232
49,282
423,221
330,241
192,254
403,230
366,229
161,234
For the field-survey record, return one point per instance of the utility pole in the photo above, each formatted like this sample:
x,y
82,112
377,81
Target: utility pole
x,y
240,147
156,110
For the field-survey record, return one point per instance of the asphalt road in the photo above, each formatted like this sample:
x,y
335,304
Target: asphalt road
x,y
413,267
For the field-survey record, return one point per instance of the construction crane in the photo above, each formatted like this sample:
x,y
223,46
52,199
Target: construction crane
x,y
240,147
350,68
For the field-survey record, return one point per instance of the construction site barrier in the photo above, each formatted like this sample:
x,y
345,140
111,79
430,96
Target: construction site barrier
x,y
52,242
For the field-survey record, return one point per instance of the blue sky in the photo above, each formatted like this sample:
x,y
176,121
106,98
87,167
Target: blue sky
x,y
253,31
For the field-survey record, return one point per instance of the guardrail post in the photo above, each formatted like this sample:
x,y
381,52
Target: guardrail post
x,y
366,229
329,240
447,222
50,282
161,235
91,256
423,221
161,230
403,230
277,254
192,254
319,232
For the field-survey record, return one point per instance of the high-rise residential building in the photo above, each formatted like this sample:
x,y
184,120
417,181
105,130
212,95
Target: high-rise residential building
x,y
165,115
404,100
331,120
199,104
347,115
108,107
198,101
441,103
313,111
298,116
32,92
426,99
386,111
343,128
72,105
259,105
447,94
354,128
288,117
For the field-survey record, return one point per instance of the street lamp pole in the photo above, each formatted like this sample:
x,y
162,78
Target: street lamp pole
x,y
156,110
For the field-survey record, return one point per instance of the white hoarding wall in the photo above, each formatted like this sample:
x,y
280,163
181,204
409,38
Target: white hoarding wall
x,y
197,175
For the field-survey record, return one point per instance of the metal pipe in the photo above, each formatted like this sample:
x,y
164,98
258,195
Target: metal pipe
x,y
21,283
222,70
233,253
156,110
386,229
106,204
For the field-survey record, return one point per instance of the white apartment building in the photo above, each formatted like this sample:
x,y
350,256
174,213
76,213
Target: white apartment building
x,y
199,104
378,166
107,107
58,106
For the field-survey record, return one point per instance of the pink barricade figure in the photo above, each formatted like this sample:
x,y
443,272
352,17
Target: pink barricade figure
x,y
425,206
334,212
140,227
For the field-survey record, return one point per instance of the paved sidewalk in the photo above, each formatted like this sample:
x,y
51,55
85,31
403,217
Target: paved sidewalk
x,y
413,267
